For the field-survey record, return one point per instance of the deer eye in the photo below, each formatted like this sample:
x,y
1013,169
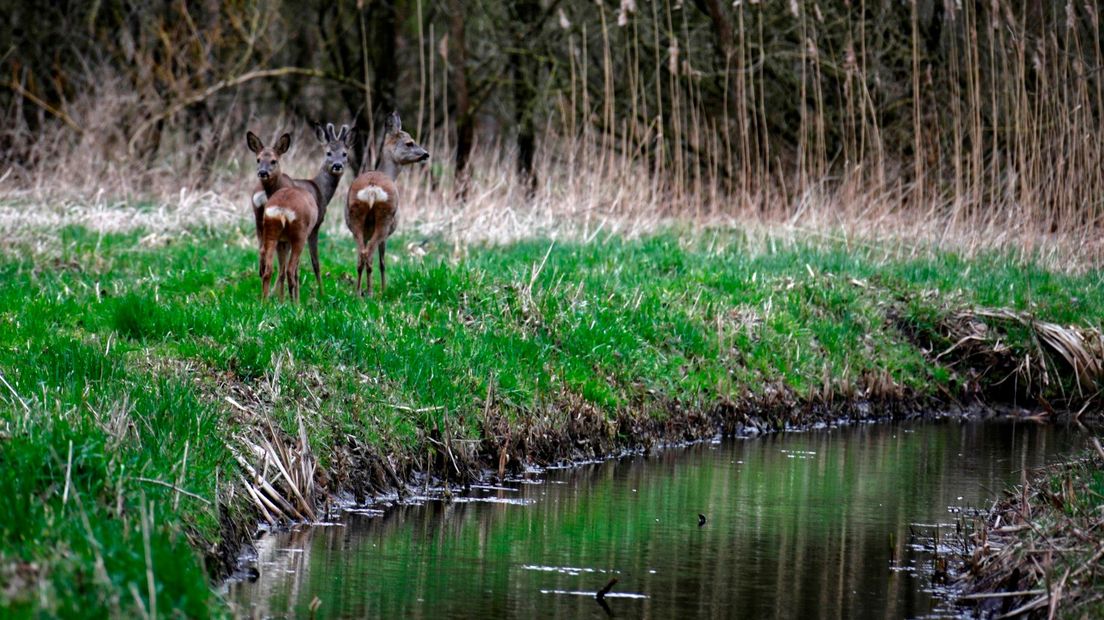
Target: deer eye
x,y
329,154
258,160
273,162
410,143
344,153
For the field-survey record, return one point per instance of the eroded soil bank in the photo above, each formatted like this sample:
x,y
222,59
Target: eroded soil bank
x,y
153,412
842,522
1038,552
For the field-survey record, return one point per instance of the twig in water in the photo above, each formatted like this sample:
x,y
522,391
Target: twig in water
x,y
601,594
983,595
1056,595
1034,604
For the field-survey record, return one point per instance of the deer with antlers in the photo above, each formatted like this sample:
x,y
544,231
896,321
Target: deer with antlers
x,y
372,204
321,187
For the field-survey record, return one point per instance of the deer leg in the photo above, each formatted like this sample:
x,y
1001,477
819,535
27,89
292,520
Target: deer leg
x,y
366,252
365,258
284,251
360,272
379,237
313,244
293,272
383,276
357,229
267,251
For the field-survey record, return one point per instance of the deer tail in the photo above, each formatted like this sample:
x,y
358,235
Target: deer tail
x,y
372,194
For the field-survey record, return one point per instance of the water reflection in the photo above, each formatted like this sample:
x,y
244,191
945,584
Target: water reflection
x,y
809,525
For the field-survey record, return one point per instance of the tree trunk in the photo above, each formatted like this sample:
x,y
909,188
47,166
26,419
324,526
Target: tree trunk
x,y
524,69
722,28
383,34
458,76
366,51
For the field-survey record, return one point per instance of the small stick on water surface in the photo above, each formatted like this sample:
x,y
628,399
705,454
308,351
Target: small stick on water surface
x,y
601,594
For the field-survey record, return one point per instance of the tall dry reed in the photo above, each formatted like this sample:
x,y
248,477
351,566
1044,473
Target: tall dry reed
x,y
988,139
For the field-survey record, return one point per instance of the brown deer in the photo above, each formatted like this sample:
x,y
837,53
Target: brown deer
x,y
321,187
372,204
290,215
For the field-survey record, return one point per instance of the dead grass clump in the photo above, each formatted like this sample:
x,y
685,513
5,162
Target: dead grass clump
x,y
280,475
1038,552
1044,363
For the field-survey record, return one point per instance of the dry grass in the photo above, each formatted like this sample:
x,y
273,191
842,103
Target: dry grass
x,y
1038,553
1002,151
1065,360
584,193
992,142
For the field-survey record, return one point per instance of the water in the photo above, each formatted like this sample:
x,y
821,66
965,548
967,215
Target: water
x,y
828,524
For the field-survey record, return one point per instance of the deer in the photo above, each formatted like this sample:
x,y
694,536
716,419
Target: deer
x,y
321,187
289,218
372,204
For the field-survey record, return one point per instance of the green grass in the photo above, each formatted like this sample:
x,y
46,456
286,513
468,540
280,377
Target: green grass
x,y
126,353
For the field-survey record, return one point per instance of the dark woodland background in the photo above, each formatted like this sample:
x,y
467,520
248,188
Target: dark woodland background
x,y
967,108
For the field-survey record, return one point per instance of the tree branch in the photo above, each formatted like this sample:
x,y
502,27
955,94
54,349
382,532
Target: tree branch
x,y
229,83
58,112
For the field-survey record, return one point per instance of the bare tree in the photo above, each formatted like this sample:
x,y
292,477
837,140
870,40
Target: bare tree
x,y
458,79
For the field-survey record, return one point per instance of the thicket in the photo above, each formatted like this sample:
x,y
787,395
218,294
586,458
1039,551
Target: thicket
x,y
965,111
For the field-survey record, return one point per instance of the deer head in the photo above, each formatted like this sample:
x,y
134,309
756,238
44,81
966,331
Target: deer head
x,y
268,159
337,146
398,146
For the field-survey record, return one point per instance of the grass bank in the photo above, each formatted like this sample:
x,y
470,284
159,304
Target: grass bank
x,y
1039,551
152,411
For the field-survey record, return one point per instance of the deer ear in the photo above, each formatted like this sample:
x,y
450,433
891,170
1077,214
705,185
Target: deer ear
x,y
254,142
320,133
283,144
394,123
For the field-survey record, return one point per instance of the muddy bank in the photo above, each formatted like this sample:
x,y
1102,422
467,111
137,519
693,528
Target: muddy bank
x,y
993,377
360,474
1038,552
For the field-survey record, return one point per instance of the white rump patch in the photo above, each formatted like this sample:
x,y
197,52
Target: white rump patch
x,y
285,214
372,194
259,199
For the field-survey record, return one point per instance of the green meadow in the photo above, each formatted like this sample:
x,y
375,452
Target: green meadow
x,y
133,374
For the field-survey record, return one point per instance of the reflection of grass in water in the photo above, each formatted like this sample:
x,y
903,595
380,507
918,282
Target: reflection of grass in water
x,y
128,352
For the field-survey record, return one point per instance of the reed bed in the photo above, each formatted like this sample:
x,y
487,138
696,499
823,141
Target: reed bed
x,y
966,126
